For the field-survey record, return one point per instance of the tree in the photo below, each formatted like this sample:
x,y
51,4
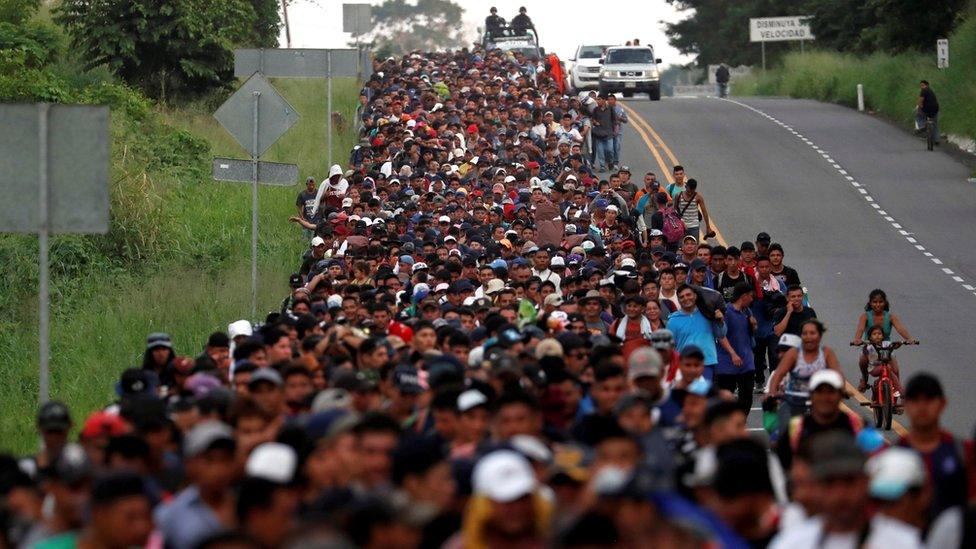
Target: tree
x,y
914,24
17,11
400,26
267,24
717,31
172,48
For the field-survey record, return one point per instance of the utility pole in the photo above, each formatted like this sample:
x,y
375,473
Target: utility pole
x,y
284,11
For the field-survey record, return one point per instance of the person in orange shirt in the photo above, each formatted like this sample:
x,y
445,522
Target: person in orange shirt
x,y
633,328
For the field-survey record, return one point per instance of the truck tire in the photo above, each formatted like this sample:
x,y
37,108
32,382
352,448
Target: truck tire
x,y
654,94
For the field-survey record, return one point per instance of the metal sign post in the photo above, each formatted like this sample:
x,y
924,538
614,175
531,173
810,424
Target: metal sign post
x,y
54,180
779,29
942,53
303,63
241,115
328,107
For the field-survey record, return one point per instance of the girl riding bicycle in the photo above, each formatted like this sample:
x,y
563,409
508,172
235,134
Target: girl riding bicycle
x,y
870,363
880,315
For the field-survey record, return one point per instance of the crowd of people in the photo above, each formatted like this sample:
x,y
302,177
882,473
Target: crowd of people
x,y
491,343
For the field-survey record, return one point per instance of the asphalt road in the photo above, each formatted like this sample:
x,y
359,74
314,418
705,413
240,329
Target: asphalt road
x,y
757,175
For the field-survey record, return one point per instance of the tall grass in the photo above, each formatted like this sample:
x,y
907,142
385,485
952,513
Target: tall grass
x,y
890,81
184,268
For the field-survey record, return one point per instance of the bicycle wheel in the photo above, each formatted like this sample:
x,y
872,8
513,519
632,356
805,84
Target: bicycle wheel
x,y
930,135
887,405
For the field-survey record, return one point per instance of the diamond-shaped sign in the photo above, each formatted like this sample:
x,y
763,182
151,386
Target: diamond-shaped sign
x,y
275,115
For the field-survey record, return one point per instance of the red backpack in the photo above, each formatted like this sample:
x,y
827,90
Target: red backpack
x,y
672,227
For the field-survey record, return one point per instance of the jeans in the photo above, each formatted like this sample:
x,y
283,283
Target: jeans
x,y
765,353
723,89
602,152
741,385
616,149
920,122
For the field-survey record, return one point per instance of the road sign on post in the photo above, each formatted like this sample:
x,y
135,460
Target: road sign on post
x,y
54,180
779,29
269,173
256,116
356,18
301,63
942,53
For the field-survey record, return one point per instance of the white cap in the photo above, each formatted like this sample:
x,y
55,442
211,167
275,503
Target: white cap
x,y
468,301
612,208
442,287
335,300
317,241
588,245
503,476
239,328
628,262
557,261
420,265
895,471
790,340
531,447
469,399
828,377
509,179
656,232
347,202
443,219
272,461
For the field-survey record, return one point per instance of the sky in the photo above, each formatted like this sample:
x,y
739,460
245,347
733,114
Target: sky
x,y
318,23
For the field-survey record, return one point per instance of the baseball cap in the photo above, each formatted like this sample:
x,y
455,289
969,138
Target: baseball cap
x,y
790,340
443,219
894,472
53,416
555,300
643,362
503,476
827,377
333,398
763,237
136,381
406,380
103,423
470,399
662,339
272,461
835,453
265,374
72,465
318,241
159,339
205,436
239,328
697,264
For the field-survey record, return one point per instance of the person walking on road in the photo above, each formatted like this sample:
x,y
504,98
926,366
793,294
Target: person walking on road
x,y
927,107
620,118
691,208
603,124
722,78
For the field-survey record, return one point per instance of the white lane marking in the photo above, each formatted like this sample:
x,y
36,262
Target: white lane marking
x,y
857,186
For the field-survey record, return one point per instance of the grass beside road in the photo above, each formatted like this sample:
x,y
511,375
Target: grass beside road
x,y
890,81
195,282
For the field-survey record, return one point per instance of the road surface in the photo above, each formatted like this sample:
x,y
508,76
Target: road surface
x,y
857,204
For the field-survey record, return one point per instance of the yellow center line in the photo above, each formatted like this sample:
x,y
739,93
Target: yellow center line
x,y
643,127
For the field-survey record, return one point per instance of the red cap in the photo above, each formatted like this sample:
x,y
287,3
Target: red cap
x,y
628,244
532,165
473,128
104,423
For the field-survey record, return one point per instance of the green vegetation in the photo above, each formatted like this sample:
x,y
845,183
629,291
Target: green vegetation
x,y
718,32
176,257
890,81
173,48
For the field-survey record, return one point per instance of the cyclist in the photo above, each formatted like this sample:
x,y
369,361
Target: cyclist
x,y
797,365
927,106
869,361
879,309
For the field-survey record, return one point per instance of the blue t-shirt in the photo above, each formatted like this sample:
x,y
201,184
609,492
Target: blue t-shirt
x,y
737,332
693,329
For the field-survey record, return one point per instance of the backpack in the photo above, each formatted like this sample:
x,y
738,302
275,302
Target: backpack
x,y
672,226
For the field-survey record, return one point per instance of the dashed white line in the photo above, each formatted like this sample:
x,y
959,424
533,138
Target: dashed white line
x,y
864,193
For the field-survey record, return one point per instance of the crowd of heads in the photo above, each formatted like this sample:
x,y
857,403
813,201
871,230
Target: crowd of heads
x,y
487,344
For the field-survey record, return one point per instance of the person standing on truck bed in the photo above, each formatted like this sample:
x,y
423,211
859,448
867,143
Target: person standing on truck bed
x,y
494,23
521,23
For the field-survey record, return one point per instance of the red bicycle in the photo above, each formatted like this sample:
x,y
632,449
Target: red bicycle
x,y
883,400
